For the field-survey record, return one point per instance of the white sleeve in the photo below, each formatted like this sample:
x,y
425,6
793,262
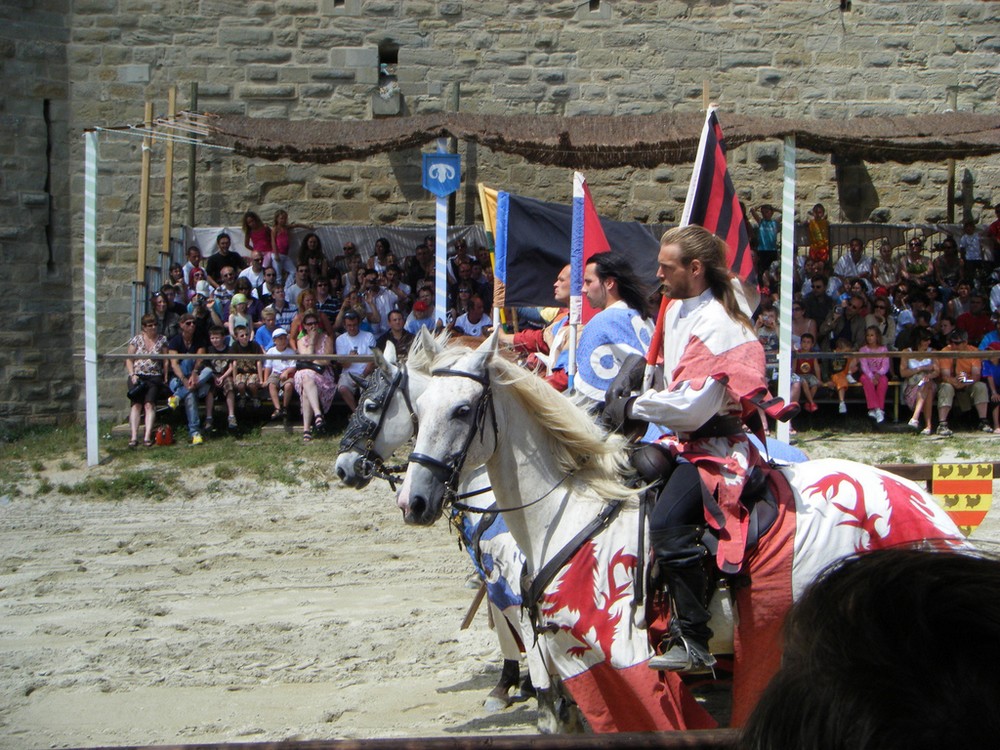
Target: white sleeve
x,y
683,409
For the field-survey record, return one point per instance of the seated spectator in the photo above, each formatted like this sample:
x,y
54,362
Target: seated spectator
x,y
885,268
874,376
914,266
193,263
854,264
222,377
976,323
145,379
239,315
849,680
264,336
934,304
264,293
353,341
991,376
254,273
818,304
378,302
845,321
393,282
166,319
960,301
248,374
949,268
993,336
942,333
176,289
192,378
807,369
766,329
920,384
353,277
353,302
254,306
801,324
225,290
881,318
206,312
329,299
842,370
421,316
306,304
418,266
960,385
279,373
341,262
298,283
399,337
312,255
284,311
475,321
225,256
314,380
198,276
383,256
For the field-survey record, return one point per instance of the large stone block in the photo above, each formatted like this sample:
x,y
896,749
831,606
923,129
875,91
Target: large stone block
x,y
245,36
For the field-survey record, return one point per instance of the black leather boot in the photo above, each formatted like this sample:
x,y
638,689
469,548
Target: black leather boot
x,y
680,557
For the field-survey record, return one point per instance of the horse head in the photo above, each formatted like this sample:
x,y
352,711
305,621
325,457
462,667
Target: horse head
x,y
379,425
455,409
385,418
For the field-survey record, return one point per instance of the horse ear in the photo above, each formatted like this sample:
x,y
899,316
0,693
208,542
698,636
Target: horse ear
x,y
426,340
480,359
385,360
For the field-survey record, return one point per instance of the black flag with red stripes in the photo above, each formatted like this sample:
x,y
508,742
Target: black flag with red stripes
x,y
712,201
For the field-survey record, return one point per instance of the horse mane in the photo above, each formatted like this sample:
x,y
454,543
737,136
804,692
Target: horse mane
x,y
595,458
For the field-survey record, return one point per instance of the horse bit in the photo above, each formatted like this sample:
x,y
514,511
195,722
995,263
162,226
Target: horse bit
x,y
363,431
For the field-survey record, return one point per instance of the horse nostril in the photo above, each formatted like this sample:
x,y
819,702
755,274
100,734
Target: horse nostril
x,y
418,506
341,473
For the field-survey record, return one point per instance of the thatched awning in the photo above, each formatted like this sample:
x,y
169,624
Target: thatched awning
x,y
606,142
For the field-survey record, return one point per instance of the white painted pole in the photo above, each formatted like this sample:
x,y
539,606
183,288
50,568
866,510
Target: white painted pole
x,y
787,281
90,296
441,251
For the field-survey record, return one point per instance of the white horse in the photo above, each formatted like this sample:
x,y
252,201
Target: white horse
x,y
383,422
537,445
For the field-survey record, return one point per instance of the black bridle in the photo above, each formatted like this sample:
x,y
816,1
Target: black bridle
x,y
448,471
361,432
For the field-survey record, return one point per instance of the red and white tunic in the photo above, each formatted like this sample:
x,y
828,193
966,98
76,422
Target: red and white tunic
x,y
710,362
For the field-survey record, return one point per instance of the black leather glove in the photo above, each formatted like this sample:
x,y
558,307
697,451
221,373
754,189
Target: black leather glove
x,y
616,415
629,378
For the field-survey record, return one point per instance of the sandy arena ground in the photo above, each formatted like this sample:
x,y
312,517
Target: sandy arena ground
x,y
258,613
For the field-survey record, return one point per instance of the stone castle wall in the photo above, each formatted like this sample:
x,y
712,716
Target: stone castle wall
x,y
321,59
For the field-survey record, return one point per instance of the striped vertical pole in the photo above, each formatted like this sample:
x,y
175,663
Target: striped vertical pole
x,y
441,251
787,281
90,295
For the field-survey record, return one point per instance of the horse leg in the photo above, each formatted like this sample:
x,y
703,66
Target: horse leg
x,y
499,697
558,712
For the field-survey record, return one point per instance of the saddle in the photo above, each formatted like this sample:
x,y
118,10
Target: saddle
x,y
653,462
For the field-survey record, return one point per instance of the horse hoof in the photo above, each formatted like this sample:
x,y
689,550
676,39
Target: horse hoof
x,y
495,704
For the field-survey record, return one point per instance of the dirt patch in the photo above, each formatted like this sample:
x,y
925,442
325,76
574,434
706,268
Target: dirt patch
x,y
254,611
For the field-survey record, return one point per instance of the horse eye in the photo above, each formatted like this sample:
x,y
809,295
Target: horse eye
x,y
370,406
461,412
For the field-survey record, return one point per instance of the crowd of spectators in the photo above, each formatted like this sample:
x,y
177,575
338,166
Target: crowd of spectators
x,y
280,300
913,299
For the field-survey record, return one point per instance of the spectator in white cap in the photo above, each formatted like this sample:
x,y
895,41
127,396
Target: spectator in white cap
x,y
279,373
